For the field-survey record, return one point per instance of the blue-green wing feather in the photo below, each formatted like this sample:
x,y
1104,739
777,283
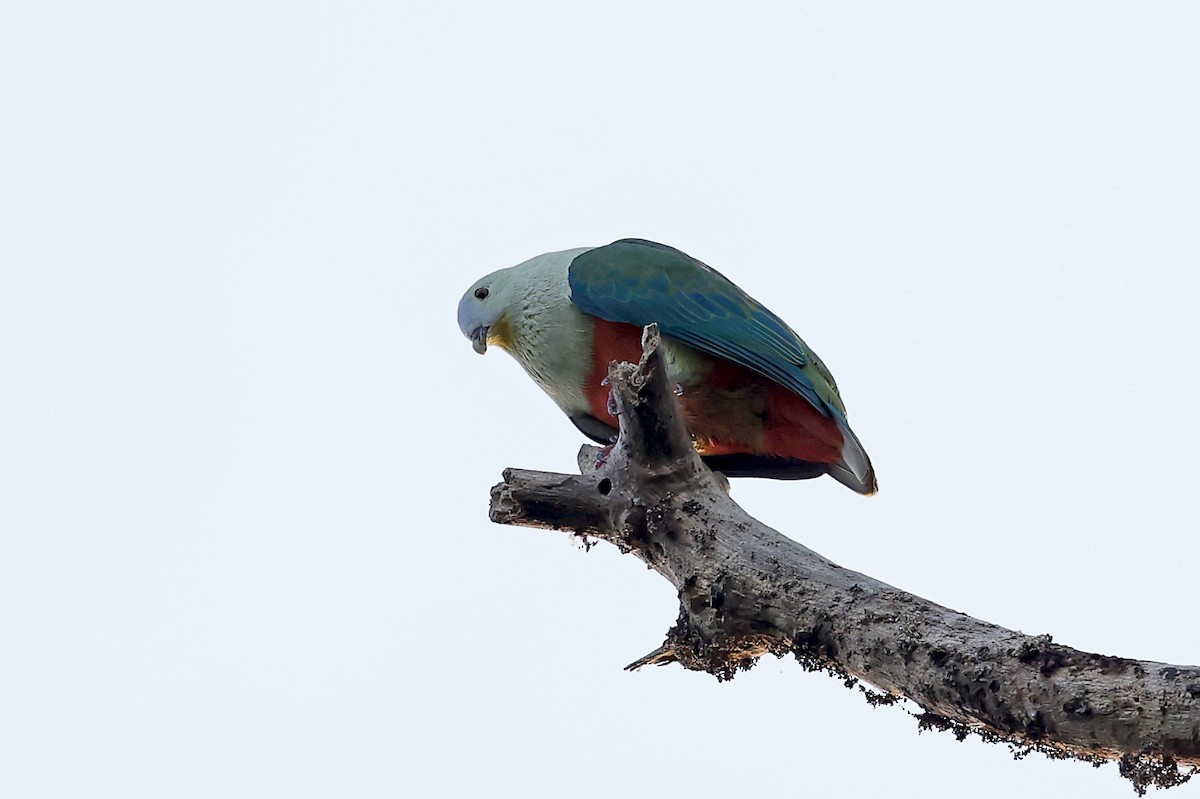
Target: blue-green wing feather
x,y
638,282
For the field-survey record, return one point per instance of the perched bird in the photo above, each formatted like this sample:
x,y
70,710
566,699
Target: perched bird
x,y
756,400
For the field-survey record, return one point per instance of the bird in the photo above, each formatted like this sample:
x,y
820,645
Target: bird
x,y
756,400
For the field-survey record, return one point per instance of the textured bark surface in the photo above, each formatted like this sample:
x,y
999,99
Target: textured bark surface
x,y
745,590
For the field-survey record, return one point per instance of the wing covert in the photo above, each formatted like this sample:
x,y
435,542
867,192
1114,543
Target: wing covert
x,y
638,282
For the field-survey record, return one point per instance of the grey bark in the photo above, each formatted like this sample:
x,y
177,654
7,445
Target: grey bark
x,y
745,590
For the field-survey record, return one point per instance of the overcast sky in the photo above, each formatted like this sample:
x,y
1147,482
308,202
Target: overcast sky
x,y
245,453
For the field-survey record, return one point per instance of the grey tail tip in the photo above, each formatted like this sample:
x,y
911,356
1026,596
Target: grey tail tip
x,y
854,470
865,485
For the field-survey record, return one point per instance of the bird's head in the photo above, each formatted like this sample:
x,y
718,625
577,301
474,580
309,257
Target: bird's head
x,y
483,311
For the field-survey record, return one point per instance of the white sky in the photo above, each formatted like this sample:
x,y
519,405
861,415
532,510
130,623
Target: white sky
x,y
245,453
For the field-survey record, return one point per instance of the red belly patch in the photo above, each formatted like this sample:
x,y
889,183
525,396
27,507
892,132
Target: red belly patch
x,y
611,341
731,410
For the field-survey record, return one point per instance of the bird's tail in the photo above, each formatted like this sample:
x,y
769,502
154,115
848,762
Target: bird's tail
x,y
854,470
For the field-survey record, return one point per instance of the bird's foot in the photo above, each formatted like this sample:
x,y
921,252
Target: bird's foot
x,y
612,396
602,454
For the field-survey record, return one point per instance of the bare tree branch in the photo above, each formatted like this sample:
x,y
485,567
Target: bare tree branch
x,y
745,590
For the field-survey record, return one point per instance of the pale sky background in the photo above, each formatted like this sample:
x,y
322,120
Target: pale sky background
x,y
245,453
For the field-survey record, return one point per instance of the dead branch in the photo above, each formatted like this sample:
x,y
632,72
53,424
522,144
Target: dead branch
x,y
745,590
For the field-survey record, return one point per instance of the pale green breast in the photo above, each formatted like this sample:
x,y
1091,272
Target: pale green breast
x,y
548,336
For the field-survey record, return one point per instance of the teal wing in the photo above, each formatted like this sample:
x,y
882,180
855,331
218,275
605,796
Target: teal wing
x,y
638,282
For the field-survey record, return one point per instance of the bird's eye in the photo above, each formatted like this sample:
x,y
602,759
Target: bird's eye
x,y
481,293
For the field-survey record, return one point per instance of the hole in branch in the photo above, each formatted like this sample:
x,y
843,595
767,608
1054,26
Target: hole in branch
x,y
605,486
